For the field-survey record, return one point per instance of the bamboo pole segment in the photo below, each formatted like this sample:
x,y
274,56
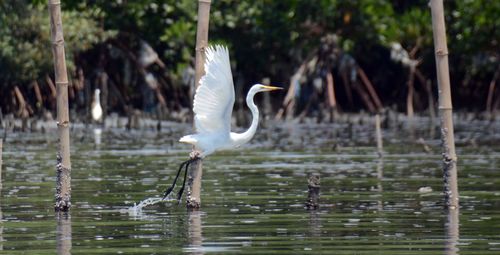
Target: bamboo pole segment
x,y
196,170
380,187
1,151
378,135
491,91
409,95
63,168
1,216
445,105
332,102
103,81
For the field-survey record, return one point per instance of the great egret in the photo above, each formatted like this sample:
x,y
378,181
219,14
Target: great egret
x,y
96,108
212,107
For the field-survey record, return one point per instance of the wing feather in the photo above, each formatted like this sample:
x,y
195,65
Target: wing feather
x,y
214,98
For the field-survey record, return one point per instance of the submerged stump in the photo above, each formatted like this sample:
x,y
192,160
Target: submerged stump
x,y
313,186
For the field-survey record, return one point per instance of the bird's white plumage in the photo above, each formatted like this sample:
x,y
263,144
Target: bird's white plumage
x,y
214,98
213,106
96,106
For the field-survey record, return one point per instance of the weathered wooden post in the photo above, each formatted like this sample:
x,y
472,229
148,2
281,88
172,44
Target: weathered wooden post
x,y
63,168
445,106
195,169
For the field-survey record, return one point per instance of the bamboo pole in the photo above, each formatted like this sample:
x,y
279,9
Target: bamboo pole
x,y
63,233
63,168
103,81
1,151
409,95
491,91
378,135
1,216
196,170
445,106
332,102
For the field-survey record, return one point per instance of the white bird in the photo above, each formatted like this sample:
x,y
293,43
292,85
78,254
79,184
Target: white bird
x,y
213,107
96,109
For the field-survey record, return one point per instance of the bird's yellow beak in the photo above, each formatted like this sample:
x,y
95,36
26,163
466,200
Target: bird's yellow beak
x,y
270,88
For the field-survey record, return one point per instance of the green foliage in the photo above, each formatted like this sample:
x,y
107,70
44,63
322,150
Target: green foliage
x,y
474,34
266,38
25,46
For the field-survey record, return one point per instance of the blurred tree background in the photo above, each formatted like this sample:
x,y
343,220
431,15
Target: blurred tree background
x,y
140,53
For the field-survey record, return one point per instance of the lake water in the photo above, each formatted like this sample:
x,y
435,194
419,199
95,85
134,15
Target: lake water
x,y
253,198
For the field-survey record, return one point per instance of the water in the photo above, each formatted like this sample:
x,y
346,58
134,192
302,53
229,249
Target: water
x,y
253,199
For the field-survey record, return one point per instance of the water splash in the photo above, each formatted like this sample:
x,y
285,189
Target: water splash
x,y
136,210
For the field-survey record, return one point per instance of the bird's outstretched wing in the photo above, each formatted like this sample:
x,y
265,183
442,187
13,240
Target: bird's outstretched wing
x,y
214,98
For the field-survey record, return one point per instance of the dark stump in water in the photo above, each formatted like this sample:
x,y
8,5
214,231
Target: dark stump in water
x,y
313,185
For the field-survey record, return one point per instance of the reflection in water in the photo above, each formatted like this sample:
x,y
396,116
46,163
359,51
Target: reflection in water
x,y
315,223
1,216
97,136
452,232
432,130
195,237
380,188
254,202
63,233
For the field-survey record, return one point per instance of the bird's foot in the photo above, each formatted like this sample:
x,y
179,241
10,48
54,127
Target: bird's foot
x,y
167,192
179,195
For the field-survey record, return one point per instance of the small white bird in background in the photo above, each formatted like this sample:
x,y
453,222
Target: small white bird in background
x,y
213,107
96,109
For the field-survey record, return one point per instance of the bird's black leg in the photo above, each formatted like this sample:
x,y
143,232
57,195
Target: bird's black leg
x,y
179,194
175,180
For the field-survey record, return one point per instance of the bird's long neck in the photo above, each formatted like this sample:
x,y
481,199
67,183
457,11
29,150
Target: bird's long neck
x,y
97,100
244,137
